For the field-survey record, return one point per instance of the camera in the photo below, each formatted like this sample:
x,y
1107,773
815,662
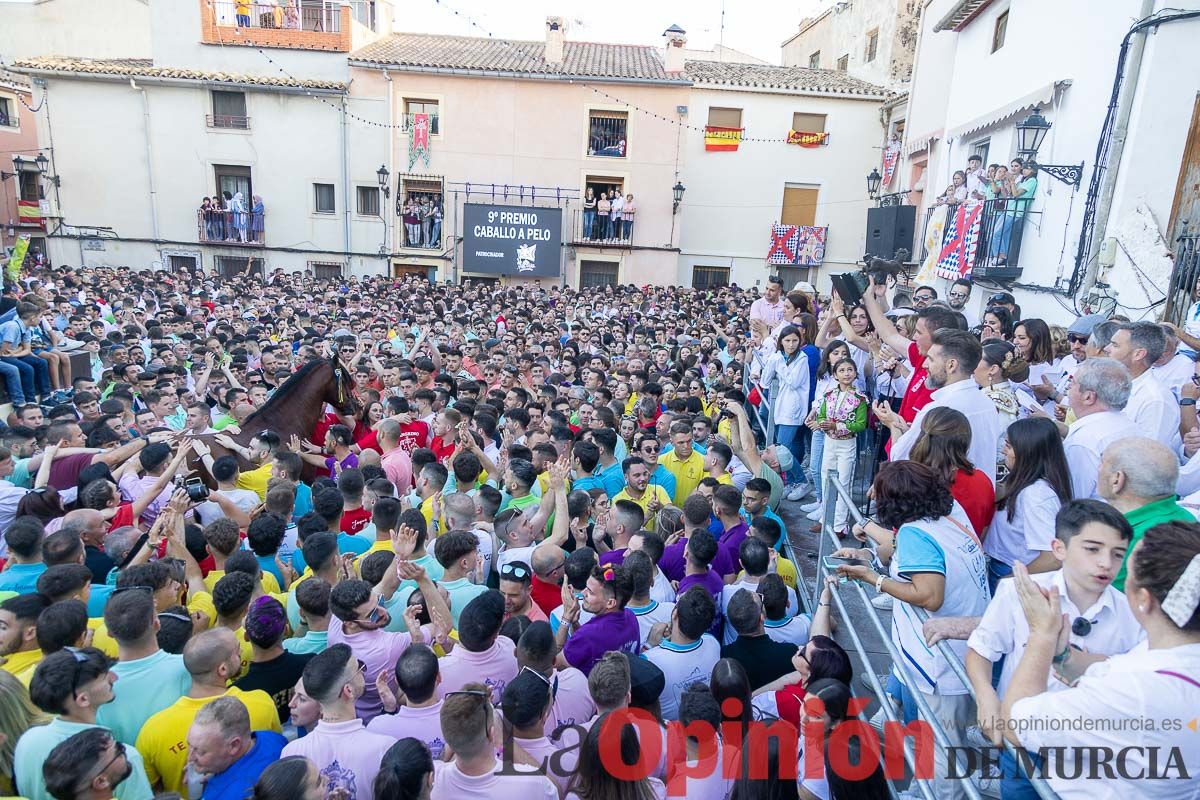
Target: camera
x,y
851,286
196,489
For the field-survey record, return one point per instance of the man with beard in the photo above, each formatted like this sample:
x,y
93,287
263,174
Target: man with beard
x,y
87,766
72,685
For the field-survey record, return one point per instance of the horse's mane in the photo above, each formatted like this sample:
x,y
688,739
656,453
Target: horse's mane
x,y
285,390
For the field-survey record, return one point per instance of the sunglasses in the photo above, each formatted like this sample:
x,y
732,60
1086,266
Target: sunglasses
x,y
1075,338
514,571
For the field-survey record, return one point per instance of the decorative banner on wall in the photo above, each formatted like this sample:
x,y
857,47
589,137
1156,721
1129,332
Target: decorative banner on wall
x,y
962,238
29,212
512,240
722,138
934,235
797,245
418,140
891,157
806,139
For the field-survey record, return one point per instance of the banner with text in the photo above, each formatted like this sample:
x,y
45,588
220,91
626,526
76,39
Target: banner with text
x,y
512,240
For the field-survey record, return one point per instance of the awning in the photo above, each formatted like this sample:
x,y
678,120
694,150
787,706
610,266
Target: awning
x,y
1042,97
915,144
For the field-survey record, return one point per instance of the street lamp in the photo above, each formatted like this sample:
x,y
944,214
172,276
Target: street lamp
x,y
1030,135
678,189
383,174
41,162
873,182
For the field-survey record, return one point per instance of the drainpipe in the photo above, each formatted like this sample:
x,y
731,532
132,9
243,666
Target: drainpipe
x,y
345,185
149,158
1117,146
390,218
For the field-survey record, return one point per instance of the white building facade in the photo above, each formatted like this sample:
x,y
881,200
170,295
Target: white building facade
x,y
734,198
984,66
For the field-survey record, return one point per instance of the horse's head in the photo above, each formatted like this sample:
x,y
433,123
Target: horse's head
x,y
338,393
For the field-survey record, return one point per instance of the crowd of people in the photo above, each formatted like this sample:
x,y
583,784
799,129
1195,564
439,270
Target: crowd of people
x,y
380,538
227,217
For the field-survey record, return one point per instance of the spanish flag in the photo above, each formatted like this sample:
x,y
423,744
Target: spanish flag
x,y
722,138
29,212
805,139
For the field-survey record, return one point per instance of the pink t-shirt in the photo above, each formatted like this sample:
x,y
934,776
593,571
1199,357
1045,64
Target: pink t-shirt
x,y
346,753
543,750
379,651
656,786
572,703
495,666
449,783
397,465
423,724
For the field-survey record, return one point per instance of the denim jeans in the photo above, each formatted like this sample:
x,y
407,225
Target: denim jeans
x,y
604,223
12,382
1001,233
789,437
815,454
628,226
34,375
589,222
996,571
1013,783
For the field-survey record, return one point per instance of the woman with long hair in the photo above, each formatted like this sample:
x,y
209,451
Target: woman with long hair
x,y
997,324
406,772
828,709
751,785
790,368
17,715
835,350
592,781
999,369
731,687
291,778
943,446
1032,340
1037,485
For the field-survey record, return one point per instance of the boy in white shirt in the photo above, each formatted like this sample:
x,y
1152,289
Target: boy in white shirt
x,y
648,612
686,654
1091,538
782,623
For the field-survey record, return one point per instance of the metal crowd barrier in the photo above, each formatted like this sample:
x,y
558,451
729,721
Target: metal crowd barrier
x,y
835,489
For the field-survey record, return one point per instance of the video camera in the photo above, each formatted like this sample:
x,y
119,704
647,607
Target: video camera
x,y
851,286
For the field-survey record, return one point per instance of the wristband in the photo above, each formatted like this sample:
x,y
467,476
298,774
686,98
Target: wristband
x,y
1187,401
1062,657
879,583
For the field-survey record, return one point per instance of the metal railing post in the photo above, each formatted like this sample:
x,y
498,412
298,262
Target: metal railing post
x,y
771,412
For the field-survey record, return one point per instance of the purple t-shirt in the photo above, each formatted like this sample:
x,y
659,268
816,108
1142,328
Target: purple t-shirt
x,y
349,462
710,580
614,631
616,557
672,561
727,561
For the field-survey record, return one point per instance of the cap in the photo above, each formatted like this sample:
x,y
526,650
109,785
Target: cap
x,y
646,681
804,286
490,343
786,461
1086,324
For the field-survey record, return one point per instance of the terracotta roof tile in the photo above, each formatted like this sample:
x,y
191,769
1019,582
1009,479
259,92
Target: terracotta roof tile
x,y
767,76
580,59
144,68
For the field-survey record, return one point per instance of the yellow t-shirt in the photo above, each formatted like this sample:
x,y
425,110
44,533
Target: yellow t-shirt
x,y
784,568
725,478
655,492
22,665
256,480
269,583
427,512
384,546
688,473
163,739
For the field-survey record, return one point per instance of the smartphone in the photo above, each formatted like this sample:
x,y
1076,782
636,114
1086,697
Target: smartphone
x,y
833,562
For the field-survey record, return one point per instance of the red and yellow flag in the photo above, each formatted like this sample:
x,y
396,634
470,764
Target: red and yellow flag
x,y
722,138
29,212
806,139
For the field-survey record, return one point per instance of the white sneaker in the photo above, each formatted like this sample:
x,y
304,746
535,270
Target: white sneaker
x,y
882,601
810,507
817,514
798,491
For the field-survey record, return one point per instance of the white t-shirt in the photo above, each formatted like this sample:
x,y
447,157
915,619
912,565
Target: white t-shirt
x,y
1031,529
245,499
683,665
731,589
662,590
793,629
650,615
524,554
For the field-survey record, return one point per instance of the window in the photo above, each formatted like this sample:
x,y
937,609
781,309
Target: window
x,y
814,60
724,117
607,133
232,266
421,200
843,63
368,200
184,263
8,113
999,32
325,270
29,188
980,149
809,123
323,198
597,273
429,107
234,179
872,46
229,110
799,205
709,277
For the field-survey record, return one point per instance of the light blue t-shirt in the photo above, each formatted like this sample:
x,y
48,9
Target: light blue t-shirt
x,y
310,642
37,742
21,578
98,599
461,591
144,687
347,543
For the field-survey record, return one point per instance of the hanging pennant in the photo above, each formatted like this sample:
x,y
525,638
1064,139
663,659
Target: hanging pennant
x,y
418,140
891,157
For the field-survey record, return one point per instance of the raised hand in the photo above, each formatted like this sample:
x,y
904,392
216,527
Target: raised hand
x,y
404,542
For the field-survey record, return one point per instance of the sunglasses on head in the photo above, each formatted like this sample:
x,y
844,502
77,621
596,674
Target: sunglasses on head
x,y
514,571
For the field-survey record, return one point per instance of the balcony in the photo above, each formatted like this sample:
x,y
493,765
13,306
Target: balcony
x,y
228,121
296,24
586,230
230,229
1000,227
